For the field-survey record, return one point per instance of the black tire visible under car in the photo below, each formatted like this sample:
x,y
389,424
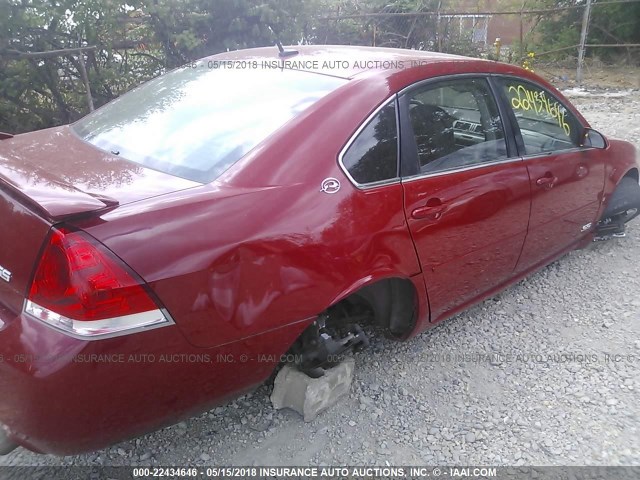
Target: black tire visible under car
x,y
623,206
625,197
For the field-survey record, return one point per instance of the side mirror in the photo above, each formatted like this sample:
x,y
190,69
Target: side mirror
x,y
593,139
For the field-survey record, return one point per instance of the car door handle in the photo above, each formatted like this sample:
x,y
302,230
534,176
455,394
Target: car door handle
x,y
582,171
432,210
548,181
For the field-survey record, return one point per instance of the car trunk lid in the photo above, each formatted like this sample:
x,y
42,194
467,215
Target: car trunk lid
x,y
59,175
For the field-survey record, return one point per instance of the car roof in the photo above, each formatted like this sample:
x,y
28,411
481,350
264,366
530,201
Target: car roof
x,y
342,61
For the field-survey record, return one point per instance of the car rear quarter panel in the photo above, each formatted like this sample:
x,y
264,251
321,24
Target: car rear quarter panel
x,y
264,247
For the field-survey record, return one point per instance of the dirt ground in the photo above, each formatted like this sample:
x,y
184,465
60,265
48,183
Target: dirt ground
x,y
594,77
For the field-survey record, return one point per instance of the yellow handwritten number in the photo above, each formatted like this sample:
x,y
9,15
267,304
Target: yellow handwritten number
x,y
536,101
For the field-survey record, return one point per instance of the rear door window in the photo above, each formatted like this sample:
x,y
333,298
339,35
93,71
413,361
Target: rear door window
x,y
456,124
372,156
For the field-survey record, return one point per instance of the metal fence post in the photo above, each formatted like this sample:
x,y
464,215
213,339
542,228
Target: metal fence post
x,y
583,41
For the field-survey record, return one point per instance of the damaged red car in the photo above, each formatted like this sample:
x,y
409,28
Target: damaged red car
x,y
162,254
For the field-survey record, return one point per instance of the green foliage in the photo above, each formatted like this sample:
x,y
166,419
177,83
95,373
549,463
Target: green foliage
x,y
196,28
610,24
134,41
38,92
366,23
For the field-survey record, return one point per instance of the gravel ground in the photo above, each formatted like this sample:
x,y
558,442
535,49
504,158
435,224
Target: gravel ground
x,y
562,387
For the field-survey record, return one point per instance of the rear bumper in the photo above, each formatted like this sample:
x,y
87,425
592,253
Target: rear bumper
x,y
63,395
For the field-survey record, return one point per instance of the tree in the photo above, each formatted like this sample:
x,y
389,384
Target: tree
x,y
124,44
43,75
373,23
610,24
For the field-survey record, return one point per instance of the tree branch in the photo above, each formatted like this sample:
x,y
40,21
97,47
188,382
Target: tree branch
x,y
49,54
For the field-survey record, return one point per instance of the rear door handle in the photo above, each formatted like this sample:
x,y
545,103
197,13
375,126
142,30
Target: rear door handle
x,y
432,210
548,181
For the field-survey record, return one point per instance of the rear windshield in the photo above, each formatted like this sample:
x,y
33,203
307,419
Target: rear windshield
x,y
195,122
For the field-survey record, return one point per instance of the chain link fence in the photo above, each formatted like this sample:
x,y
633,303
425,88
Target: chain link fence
x,y
513,36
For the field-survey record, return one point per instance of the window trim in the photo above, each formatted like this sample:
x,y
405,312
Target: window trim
x,y
498,79
509,133
366,186
423,176
440,78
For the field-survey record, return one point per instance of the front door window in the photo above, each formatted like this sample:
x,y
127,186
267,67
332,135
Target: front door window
x,y
545,124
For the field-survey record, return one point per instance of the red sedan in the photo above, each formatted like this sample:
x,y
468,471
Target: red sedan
x,y
164,254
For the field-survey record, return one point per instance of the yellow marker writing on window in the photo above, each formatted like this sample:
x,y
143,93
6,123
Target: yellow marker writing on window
x,y
537,101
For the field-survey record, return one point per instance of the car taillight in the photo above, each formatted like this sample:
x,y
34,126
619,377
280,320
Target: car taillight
x,y
83,289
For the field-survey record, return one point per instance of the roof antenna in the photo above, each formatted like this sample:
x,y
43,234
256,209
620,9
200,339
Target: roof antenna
x,y
283,53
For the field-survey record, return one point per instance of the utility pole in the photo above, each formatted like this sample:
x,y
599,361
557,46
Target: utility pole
x,y
583,41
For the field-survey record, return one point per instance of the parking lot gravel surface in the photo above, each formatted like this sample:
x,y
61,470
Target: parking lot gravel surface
x,y
545,373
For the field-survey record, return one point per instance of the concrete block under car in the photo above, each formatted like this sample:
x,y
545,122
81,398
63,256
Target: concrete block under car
x,y
311,396
6,445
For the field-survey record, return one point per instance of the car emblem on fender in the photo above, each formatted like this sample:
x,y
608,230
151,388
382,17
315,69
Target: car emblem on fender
x,y
5,274
330,185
